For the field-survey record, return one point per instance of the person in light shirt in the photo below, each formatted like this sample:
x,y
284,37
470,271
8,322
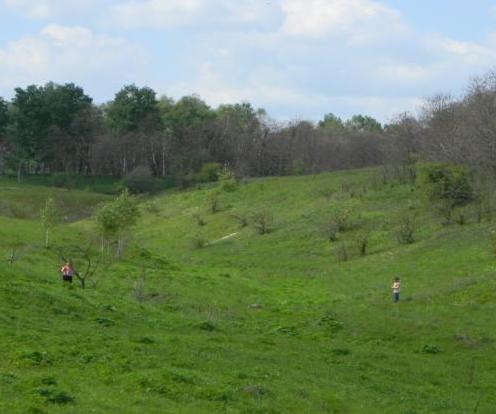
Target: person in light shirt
x,y
67,271
396,289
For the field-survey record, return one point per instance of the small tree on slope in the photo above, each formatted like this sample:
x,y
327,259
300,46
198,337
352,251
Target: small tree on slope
x,y
49,217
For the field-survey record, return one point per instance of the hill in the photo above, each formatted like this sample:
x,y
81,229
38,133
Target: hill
x,y
203,314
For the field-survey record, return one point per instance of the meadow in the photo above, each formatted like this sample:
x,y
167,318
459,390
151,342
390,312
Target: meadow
x,y
204,314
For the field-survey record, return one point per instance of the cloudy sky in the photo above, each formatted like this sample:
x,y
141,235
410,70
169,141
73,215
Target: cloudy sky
x,y
295,58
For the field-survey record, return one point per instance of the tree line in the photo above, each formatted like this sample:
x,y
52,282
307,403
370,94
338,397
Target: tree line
x,y
59,129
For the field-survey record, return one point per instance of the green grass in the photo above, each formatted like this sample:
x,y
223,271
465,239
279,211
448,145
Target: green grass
x,y
270,323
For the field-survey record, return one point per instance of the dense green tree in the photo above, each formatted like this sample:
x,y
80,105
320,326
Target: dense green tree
x,y
191,125
363,123
331,122
133,109
43,119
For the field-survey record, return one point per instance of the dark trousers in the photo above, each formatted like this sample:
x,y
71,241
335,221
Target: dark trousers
x,y
396,297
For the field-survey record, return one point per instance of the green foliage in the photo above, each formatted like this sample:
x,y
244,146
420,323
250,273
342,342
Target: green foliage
x,y
63,180
263,221
199,241
241,217
362,243
253,324
115,217
213,200
50,216
4,116
406,228
209,172
227,181
450,183
331,122
44,122
298,167
363,123
342,216
342,252
134,109
141,181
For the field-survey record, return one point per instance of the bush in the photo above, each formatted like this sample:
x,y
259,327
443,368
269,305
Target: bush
x,y
407,226
209,172
298,167
445,209
362,243
63,180
342,253
199,242
241,218
140,181
213,201
342,215
454,183
228,182
262,221
199,220
333,231
461,217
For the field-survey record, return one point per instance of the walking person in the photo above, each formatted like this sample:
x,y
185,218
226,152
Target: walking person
x,y
67,272
396,287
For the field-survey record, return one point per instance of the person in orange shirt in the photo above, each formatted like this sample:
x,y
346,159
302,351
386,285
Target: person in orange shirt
x,y
396,287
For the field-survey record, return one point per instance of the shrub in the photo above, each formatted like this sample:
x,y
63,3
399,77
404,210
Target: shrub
x,y
262,221
209,172
333,231
199,242
342,215
298,167
199,220
461,217
141,181
228,182
446,182
241,218
342,253
60,397
63,180
407,226
362,243
445,209
213,201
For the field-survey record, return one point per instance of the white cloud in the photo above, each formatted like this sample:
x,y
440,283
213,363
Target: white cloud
x,y
466,53
48,9
167,14
262,90
360,21
400,72
62,53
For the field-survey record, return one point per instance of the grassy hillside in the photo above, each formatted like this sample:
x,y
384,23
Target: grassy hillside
x,y
192,321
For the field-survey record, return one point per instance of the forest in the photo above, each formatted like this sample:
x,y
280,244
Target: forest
x,y
58,129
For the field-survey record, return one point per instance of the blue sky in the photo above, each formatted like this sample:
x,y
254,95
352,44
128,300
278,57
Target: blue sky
x,y
295,58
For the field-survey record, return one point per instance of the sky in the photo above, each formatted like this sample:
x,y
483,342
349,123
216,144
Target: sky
x,y
298,59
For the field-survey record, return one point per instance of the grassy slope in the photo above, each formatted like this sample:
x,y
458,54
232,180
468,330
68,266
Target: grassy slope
x,y
325,338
